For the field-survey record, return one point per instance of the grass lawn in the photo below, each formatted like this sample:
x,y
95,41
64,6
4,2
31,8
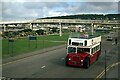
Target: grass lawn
x,y
56,37
20,46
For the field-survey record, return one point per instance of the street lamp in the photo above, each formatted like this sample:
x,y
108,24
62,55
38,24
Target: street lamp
x,y
60,28
105,64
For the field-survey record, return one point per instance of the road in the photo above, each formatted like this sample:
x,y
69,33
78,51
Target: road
x,y
52,65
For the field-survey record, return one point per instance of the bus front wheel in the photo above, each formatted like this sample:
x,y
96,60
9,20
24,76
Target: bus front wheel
x,y
86,63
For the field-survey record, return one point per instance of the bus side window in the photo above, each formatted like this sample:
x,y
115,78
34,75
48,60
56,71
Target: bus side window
x,y
69,41
92,51
85,43
78,50
96,48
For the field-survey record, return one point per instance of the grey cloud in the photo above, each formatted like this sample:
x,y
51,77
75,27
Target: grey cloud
x,y
18,11
40,5
103,7
92,7
30,10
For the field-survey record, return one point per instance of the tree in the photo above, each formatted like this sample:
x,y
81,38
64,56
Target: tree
x,y
8,35
54,29
27,30
40,32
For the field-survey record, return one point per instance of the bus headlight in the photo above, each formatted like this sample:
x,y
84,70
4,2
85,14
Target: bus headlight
x,y
69,59
81,60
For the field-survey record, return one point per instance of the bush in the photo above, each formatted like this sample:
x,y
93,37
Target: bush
x,y
27,30
40,32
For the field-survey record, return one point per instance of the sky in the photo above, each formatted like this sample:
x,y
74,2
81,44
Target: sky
x,y
32,9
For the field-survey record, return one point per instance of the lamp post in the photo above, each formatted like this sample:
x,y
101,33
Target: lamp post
x,y
105,64
92,25
60,29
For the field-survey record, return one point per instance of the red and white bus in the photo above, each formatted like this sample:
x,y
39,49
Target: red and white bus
x,y
83,51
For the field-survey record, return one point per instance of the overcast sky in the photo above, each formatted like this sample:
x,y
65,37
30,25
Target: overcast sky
x,y
22,9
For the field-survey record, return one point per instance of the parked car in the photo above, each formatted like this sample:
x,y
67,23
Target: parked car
x,y
109,38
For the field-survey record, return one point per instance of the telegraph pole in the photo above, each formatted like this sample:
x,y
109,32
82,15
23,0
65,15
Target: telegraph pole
x,y
4,27
92,28
105,64
60,29
31,26
76,28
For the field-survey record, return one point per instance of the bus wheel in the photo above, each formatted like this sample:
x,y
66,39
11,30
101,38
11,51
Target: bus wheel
x,y
86,63
97,58
67,64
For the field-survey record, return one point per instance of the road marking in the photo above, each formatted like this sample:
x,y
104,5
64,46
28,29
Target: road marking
x,y
101,74
43,67
107,69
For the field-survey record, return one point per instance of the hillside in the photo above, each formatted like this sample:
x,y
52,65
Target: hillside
x,y
87,16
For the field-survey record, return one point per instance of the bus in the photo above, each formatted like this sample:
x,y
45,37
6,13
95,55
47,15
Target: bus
x,y
83,51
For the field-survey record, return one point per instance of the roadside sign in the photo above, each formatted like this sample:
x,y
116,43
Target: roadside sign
x,y
11,40
32,37
11,46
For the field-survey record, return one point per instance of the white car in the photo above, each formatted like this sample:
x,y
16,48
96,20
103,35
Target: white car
x,y
109,38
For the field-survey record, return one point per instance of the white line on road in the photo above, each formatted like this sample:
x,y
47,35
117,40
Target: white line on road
x,y
43,67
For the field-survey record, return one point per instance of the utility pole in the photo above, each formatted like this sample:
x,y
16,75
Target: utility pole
x,y
76,29
31,26
4,27
60,29
92,25
105,64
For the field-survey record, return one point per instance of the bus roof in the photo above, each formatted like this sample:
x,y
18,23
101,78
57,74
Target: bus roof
x,y
86,37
